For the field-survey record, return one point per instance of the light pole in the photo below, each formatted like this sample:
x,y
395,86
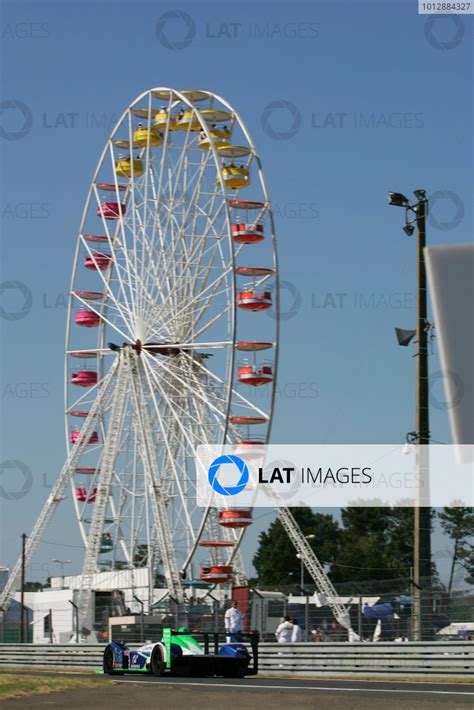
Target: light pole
x,y
62,563
422,513
306,615
22,598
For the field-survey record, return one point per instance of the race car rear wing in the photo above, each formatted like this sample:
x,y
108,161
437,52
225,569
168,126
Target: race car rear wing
x,y
252,638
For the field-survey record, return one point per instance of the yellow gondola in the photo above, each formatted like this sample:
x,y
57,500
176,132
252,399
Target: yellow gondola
x,y
140,137
235,177
161,119
124,144
187,121
123,167
213,115
218,137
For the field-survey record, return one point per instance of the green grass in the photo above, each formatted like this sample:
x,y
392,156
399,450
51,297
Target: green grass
x,y
15,685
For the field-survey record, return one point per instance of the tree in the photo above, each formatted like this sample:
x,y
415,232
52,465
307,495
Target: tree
x,y
33,586
275,560
458,524
375,544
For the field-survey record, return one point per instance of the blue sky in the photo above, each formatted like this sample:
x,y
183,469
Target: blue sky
x,y
345,100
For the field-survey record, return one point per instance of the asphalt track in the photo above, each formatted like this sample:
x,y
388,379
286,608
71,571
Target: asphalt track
x,y
253,694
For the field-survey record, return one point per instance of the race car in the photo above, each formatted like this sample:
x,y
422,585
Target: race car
x,y
180,653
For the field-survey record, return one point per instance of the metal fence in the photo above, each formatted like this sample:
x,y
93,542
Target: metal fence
x,y
451,659
390,601
263,612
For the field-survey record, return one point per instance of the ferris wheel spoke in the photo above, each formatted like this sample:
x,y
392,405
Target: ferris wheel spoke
x,y
121,308
187,386
112,243
170,457
250,405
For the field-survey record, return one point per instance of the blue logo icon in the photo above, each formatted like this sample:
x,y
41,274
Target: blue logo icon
x,y
213,471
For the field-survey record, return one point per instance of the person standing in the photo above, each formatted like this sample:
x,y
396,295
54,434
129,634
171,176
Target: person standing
x,y
284,631
297,632
233,623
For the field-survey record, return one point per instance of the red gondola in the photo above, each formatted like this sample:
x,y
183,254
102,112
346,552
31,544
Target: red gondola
x,y
235,518
98,261
247,233
253,301
87,319
247,420
111,210
250,448
76,436
83,496
218,574
84,378
255,375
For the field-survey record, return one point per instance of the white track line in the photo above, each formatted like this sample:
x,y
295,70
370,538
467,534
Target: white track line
x,y
301,687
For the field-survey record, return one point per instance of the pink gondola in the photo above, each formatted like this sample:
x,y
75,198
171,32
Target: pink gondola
x,y
111,210
84,378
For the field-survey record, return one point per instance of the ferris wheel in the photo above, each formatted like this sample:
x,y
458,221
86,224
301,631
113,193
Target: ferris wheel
x,y
166,343
168,348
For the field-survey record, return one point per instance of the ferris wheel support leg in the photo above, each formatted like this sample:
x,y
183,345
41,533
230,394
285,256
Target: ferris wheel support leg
x,y
315,568
164,537
107,463
54,499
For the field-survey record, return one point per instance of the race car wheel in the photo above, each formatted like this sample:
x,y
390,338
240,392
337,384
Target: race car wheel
x,y
109,663
157,665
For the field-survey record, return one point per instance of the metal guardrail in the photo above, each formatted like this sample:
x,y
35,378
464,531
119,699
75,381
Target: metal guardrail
x,y
413,659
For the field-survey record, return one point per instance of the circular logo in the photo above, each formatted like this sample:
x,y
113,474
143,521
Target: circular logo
x,y
27,118
436,20
27,303
293,118
456,389
214,469
292,490
295,302
458,216
162,29
6,468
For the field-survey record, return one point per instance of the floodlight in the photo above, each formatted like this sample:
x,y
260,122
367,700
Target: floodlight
x,y
420,194
397,199
404,336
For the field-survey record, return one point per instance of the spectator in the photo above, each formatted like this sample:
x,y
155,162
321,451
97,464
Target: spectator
x,y
317,634
297,633
284,631
233,623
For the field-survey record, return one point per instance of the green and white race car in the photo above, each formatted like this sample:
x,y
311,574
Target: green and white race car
x,y
180,653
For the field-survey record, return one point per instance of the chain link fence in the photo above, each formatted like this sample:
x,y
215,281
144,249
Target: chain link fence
x,y
381,610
